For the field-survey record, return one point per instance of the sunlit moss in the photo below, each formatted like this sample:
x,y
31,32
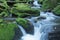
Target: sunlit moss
x,y
7,31
22,22
23,9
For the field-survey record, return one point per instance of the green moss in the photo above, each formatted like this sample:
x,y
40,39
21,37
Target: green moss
x,y
56,10
23,9
21,6
1,20
7,31
22,14
22,22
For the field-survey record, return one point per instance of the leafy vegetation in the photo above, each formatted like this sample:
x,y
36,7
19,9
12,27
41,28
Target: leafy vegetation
x,y
52,5
5,9
56,10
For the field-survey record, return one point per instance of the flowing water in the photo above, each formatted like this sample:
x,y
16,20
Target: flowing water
x,y
41,27
22,30
36,5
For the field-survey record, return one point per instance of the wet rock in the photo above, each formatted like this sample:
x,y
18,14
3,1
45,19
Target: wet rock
x,y
41,17
18,34
29,28
54,35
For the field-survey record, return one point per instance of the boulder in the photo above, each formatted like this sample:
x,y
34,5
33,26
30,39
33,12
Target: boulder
x,y
29,28
22,10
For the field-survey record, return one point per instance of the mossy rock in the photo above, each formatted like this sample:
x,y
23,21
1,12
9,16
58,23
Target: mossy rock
x,y
7,31
22,15
56,10
26,25
22,22
24,8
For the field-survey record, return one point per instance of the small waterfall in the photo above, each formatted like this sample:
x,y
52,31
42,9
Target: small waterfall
x,y
22,30
41,27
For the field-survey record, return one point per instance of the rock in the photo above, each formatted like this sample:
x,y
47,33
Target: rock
x,y
41,17
54,35
22,10
18,34
30,28
26,25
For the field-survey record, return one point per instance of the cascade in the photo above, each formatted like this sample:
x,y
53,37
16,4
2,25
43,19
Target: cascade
x,y
41,27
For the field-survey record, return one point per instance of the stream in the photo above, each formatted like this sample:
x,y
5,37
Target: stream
x,y
42,26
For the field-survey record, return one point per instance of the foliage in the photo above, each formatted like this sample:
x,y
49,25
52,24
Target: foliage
x,y
56,10
5,9
4,14
7,31
49,4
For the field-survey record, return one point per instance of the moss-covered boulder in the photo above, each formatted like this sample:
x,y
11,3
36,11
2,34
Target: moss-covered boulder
x,y
18,34
26,25
7,30
56,10
24,10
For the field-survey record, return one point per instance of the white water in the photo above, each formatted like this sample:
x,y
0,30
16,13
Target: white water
x,y
41,27
36,5
22,30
